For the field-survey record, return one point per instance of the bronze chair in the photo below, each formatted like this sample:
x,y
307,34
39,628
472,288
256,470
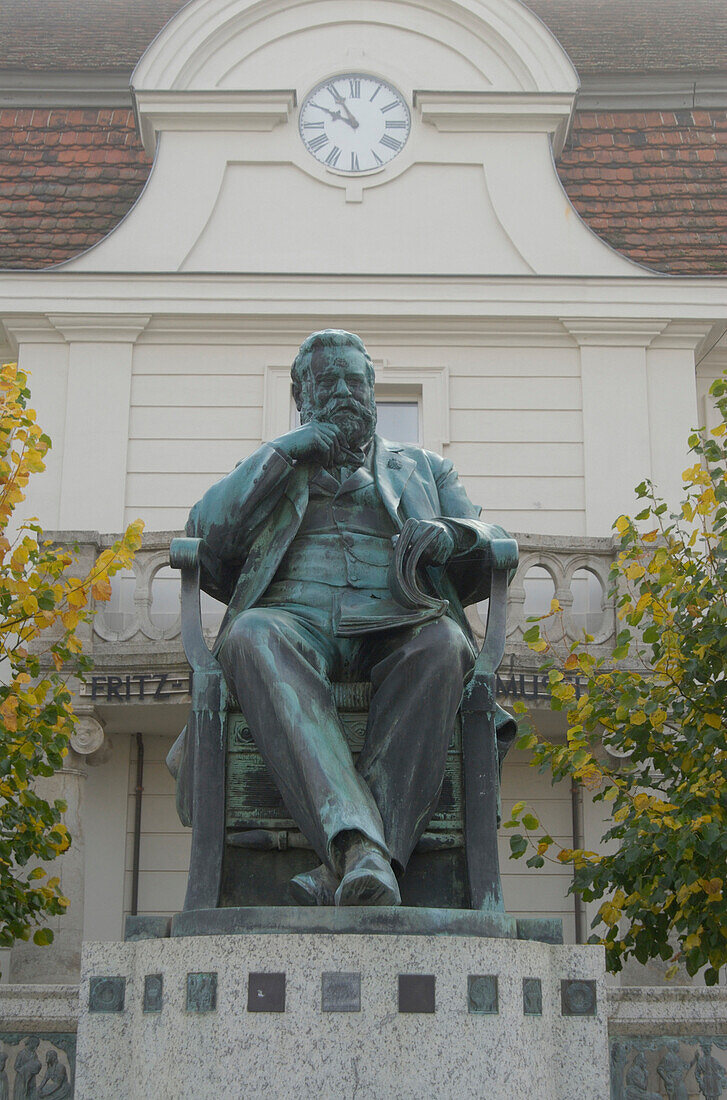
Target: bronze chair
x,y
245,847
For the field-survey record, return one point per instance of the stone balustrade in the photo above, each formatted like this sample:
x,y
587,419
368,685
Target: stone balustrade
x,y
142,620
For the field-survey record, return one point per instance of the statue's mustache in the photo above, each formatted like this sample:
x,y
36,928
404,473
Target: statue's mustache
x,y
345,404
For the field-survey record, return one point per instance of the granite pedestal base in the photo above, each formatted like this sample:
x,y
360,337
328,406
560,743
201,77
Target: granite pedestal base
x,y
341,1016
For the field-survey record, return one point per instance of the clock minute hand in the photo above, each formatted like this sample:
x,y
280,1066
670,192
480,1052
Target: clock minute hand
x,y
334,114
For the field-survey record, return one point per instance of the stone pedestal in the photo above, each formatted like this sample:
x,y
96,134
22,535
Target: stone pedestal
x,y
341,1015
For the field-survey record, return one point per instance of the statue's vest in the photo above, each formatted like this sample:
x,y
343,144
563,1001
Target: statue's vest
x,y
344,541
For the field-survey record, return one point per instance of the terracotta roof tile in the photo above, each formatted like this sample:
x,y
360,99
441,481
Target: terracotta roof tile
x,y
653,185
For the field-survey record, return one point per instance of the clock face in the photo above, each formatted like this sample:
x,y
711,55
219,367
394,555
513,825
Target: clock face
x,y
354,123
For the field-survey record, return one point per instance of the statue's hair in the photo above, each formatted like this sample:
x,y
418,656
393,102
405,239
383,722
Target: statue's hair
x,y
326,338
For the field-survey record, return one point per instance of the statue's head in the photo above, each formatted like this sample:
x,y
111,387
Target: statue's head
x,y
333,380
32,1043
51,1058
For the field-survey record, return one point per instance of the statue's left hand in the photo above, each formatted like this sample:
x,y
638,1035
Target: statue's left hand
x,y
441,548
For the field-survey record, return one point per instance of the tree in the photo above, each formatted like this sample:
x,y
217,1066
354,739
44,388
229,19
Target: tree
x,y
42,606
660,705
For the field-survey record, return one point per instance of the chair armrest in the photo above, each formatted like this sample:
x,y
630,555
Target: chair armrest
x,y
189,556
503,559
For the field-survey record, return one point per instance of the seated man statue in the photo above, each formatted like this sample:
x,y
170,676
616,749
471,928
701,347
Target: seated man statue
x,y
304,531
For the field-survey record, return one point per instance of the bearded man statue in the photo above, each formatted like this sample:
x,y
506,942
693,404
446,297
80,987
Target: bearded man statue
x,y
304,533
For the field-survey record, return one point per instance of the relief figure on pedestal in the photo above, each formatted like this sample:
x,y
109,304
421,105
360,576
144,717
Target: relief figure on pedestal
x,y
710,1074
673,1069
637,1080
55,1084
27,1067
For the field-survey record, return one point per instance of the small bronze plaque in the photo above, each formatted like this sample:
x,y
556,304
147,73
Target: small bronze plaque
x,y
153,992
482,995
201,992
266,993
532,997
416,993
106,994
578,997
340,992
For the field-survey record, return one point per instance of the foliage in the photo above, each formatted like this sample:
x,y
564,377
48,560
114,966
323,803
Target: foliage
x,y
659,704
42,607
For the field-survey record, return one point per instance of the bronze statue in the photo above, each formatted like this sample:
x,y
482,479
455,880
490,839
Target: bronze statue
x,y
300,541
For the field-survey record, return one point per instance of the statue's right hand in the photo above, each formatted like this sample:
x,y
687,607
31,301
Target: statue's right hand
x,y
312,442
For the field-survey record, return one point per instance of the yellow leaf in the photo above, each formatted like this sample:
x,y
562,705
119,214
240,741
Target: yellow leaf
x,y
101,589
692,941
637,718
555,606
634,571
622,524
713,720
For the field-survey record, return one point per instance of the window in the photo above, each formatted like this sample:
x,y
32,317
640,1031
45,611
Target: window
x,y
399,421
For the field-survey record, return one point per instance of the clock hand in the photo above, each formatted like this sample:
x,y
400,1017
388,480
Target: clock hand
x,y
351,120
334,114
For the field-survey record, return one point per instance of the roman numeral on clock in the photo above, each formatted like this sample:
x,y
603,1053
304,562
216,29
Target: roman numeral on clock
x,y
354,162
395,124
354,87
378,160
333,156
390,143
317,143
390,106
313,125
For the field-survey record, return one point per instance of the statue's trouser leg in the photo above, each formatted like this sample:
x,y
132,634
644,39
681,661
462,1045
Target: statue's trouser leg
x,y
417,691
278,668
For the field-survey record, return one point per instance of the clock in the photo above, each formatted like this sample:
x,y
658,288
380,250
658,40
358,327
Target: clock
x,y
354,123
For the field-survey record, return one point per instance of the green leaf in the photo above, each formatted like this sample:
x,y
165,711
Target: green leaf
x,y
532,634
43,937
530,822
518,846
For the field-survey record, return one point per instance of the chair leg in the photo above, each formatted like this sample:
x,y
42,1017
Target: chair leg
x,y
207,730
481,789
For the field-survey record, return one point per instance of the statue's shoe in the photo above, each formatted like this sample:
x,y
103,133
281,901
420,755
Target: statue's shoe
x,y
370,882
315,887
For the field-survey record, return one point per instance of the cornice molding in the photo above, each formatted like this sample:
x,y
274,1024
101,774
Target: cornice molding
x,y
480,112
104,328
639,91
158,111
24,329
268,299
614,332
64,89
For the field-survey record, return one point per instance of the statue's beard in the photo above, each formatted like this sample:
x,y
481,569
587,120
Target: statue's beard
x,y
358,421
